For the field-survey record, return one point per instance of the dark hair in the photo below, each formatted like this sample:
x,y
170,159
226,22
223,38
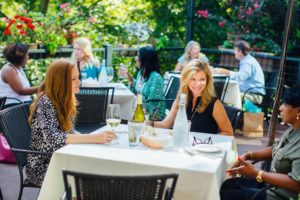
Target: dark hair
x,y
149,61
243,46
292,96
15,53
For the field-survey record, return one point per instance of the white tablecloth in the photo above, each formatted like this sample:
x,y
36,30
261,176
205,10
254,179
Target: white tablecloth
x,y
232,96
200,177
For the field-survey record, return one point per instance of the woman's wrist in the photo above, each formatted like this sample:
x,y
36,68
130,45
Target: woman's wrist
x,y
249,155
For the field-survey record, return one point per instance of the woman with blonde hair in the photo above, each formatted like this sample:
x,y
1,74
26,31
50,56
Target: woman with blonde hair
x,y
52,115
191,51
83,57
204,110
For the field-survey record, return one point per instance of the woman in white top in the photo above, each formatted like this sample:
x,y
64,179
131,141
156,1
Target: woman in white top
x,y
13,81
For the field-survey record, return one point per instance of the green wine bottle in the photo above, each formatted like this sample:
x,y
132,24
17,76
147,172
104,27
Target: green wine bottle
x,y
139,115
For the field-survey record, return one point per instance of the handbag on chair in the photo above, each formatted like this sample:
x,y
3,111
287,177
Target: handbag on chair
x,y
6,155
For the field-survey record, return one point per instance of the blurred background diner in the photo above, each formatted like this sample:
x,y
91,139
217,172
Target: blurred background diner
x,y
249,74
149,82
83,56
191,51
13,81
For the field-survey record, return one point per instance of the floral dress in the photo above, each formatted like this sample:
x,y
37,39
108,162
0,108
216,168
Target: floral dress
x,y
47,136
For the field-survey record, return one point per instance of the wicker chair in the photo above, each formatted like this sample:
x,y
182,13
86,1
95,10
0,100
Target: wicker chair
x,y
16,129
90,186
221,84
92,105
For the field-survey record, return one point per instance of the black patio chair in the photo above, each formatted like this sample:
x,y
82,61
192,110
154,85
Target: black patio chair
x,y
233,114
2,102
91,186
1,197
16,129
221,84
92,106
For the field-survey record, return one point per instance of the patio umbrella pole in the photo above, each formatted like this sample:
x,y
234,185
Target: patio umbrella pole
x,y
278,93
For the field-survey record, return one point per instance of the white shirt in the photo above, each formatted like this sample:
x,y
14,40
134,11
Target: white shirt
x,y
7,91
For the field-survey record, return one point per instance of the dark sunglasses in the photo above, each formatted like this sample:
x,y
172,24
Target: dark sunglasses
x,y
199,141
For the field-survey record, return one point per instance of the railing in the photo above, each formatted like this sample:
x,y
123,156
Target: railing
x,y
168,59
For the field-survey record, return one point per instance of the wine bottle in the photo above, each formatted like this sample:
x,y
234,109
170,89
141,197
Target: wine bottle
x,y
139,115
181,125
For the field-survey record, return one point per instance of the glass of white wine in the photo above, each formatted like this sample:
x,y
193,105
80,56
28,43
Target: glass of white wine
x,y
113,115
110,73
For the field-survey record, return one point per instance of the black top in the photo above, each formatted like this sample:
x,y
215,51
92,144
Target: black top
x,y
202,122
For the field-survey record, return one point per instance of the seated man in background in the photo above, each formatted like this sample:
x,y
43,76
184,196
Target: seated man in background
x,y
250,73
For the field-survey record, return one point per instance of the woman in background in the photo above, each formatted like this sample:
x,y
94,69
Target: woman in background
x,y
83,57
191,51
206,113
52,116
13,80
149,82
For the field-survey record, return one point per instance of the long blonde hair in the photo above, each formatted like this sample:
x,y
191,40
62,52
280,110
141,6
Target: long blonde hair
x,y
188,47
192,68
57,86
86,47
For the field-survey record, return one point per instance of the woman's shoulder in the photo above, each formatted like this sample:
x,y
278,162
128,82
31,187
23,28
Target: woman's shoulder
x,y
44,101
155,74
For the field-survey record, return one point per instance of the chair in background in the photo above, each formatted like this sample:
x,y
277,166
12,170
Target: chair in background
x,y
1,197
268,99
221,84
16,129
91,186
234,115
2,102
92,105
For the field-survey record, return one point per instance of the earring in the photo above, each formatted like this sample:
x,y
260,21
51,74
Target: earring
x,y
297,117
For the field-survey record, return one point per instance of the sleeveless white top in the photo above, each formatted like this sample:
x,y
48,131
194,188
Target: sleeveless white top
x,y
7,91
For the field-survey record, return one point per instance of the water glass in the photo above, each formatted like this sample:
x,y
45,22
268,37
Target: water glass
x,y
134,133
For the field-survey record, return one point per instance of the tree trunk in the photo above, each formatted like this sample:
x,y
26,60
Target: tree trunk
x,y
44,6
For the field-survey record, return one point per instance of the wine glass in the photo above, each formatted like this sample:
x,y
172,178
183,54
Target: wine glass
x,y
113,116
110,73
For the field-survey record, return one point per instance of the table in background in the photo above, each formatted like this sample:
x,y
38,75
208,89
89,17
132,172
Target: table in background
x,y
125,98
232,95
200,177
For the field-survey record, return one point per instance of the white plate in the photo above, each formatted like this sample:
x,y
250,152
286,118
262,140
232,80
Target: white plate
x,y
207,148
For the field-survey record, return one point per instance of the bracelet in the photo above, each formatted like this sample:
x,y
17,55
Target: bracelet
x,y
251,155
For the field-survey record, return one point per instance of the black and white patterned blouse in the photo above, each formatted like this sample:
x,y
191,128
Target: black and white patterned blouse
x,y
47,136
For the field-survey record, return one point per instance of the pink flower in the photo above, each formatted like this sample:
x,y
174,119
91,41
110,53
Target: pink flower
x,y
64,5
92,19
256,6
240,16
248,12
222,24
203,13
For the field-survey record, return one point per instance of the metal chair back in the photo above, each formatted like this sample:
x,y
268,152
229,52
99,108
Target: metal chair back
x,y
233,115
221,84
171,91
91,186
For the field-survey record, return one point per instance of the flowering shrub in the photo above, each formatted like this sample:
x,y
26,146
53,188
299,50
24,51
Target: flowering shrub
x,y
241,19
137,33
20,29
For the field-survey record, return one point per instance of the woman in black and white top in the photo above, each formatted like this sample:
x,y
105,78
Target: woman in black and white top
x,y
52,116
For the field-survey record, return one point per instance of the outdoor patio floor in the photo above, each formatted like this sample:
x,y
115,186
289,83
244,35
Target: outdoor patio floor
x,y
9,177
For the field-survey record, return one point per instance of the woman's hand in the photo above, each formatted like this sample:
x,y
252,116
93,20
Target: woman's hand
x,y
105,137
243,167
